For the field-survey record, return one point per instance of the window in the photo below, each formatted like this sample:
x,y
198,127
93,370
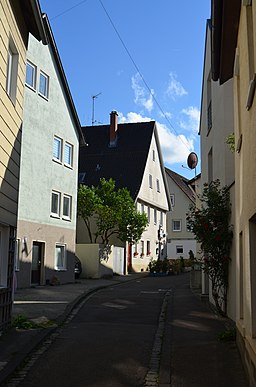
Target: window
x,y
154,156
68,154
57,149
150,181
12,72
148,213
67,200
142,208
172,197
155,215
148,248
60,257
176,225
55,207
31,75
179,249
161,218
157,185
142,249
44,84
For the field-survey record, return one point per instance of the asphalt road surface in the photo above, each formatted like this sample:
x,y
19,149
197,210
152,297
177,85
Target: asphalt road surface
x,y
111,341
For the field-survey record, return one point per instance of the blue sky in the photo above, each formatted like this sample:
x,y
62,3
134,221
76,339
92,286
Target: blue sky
x,y
144,57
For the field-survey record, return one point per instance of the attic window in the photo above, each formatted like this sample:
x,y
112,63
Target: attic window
x,y
154,156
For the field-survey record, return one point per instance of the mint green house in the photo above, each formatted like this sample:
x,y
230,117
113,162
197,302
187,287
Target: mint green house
x,y
48,173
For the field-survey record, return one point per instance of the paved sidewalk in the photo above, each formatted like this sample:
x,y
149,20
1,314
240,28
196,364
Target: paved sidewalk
x,y
51,302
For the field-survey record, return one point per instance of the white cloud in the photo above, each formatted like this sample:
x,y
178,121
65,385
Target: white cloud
x,y
192,114
142,96
175,88
175,148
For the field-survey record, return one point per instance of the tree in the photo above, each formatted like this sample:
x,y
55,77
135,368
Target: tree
x,y
211,226
113,211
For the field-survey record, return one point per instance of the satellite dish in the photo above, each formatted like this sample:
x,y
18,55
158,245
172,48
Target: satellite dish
x,y
192,160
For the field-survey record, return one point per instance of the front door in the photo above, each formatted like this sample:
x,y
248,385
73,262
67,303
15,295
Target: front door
x,y
36,263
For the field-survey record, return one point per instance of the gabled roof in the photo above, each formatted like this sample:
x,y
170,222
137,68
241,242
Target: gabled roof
x,y
51,42
125,162
182,183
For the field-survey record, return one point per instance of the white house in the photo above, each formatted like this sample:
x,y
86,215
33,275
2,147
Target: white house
x,y
179,239
130,154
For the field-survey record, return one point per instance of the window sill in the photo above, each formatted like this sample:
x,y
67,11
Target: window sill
x,y
56,216
57,160
66,219
60,269
68,166
30,87
43,96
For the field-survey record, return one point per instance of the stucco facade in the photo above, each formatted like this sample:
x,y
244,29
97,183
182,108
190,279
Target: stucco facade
x,y
245,161
48,174
153,200
217,160
179,240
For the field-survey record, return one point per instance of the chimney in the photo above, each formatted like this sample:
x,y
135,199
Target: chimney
x,y
113,128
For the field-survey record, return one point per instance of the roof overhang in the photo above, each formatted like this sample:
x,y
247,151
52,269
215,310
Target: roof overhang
x,y
31,12
224,23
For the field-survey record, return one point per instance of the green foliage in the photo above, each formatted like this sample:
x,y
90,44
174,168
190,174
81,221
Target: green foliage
x,y
22,322
211,226
113,211
230,140
159,266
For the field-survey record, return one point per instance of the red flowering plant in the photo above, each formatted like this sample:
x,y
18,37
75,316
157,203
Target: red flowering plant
x,y
211,226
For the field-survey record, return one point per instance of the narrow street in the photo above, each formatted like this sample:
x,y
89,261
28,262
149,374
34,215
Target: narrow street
x,y
149,332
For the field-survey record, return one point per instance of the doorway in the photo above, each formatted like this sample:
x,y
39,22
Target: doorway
x,y
37,257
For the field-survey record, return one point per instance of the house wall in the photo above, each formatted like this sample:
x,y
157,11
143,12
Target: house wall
x,y
149,198
95,264
11,110
217,161
180,208
10,116
45,118
245,162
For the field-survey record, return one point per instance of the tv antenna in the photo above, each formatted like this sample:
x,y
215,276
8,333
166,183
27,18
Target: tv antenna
x,y
93,102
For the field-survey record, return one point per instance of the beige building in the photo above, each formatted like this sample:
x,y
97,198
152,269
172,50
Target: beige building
x,y
217,160
235,57
17,19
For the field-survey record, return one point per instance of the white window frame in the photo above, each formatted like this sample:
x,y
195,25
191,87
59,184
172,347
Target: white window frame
x,y
62,267
174,228
68,163
12,71
34,70
58,194
69,198
44,93
60,148
150,181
